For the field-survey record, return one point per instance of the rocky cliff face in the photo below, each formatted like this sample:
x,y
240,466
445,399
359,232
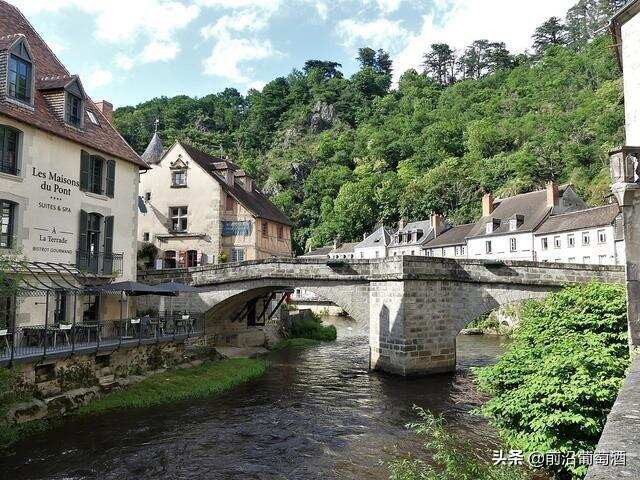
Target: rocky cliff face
x,y
322,117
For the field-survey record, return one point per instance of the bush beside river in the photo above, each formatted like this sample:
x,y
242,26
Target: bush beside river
x,y
555,385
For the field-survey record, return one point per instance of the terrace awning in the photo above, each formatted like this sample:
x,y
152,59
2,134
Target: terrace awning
x,y
136,289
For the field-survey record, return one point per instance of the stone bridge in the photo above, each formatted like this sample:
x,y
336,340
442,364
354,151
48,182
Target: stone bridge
x,y
413,307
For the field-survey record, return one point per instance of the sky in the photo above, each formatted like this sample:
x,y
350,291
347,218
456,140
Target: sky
x,y
129,51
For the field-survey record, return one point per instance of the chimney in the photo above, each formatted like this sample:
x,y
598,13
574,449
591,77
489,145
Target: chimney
x,y
553,194
106,108
229,176
437,224
487,204
401,224
336,243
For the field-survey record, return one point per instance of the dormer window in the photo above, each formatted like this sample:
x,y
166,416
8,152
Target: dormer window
x,y
492,225
74,110
20,82
179,178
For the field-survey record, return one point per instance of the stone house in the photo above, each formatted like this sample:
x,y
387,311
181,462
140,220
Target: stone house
x,y
593,235
450,244
506,229
68,180
411,238
198,209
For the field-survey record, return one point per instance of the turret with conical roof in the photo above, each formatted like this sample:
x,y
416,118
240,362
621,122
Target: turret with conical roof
x,y
155,150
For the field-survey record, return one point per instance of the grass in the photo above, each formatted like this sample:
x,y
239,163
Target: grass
x,y
294,343
210,378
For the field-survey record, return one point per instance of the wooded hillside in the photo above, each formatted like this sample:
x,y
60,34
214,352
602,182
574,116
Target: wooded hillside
x,y
340,155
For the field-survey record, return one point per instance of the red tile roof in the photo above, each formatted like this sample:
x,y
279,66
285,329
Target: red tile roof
x,y
103,137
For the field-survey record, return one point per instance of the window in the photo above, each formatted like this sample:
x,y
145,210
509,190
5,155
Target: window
x,y
178,219
265,229
7,214
487,246
9,150
280,232
572,260
571,240
60,308
602,236
462,249
586,259
237,254
457,250
557,242
73,110
192,258
146,236
545,243
513,224
230,203
91,173
178,178
170,259
602,259
147,196
92,117
586,238
20,77
7,312
513,244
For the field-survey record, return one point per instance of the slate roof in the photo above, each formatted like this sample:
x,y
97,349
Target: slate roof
x,y
381,237
582,219
344,248
257,203
103,137
454,236
532,206
319,252
427,234
154,151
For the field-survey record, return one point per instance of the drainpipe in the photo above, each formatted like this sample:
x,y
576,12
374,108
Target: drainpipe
x,y
46,326
73,328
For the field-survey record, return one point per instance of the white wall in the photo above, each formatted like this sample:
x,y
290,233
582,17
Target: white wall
x,y
371,252
631,62
459,251
500,247
594,253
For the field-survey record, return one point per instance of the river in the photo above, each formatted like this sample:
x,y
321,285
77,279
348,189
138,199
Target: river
x,y
317,413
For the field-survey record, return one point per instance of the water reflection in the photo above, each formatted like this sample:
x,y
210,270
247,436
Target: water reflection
x,y
317,414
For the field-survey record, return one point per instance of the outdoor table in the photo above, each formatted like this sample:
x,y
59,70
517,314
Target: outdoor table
x,y
185,324
35,335
83,331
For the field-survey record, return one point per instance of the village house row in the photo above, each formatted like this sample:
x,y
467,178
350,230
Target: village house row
x,y
550,225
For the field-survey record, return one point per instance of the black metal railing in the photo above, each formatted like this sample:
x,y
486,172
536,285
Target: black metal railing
x,y
99,263
28,342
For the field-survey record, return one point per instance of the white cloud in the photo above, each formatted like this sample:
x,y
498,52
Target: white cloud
x,y
124,62
377,33
322,9
251,21
125,21
388,6
240,4
230,53
159,51
98,77
469,20
257,85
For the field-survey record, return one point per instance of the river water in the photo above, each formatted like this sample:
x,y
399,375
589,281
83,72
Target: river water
x,y
317,413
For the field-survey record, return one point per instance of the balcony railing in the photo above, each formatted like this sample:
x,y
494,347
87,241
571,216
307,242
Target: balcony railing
x,y
99,263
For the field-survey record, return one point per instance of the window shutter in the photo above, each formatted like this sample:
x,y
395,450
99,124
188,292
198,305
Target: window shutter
x,y
107,257
85,167
108,235
82,233
111,178
182,259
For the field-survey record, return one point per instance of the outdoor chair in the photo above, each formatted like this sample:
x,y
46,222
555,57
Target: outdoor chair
x,y
5,336
65,329
135,324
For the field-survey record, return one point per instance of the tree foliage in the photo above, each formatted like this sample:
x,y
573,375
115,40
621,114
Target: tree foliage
x,y
340,155
553,388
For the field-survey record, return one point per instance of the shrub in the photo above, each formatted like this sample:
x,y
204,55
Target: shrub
x,y
311,327
554,386
77,375
450,458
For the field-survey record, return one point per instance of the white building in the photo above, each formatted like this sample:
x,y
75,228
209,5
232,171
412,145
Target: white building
x,y
506,229
451,243
68,180
410,239
374,245
593,235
